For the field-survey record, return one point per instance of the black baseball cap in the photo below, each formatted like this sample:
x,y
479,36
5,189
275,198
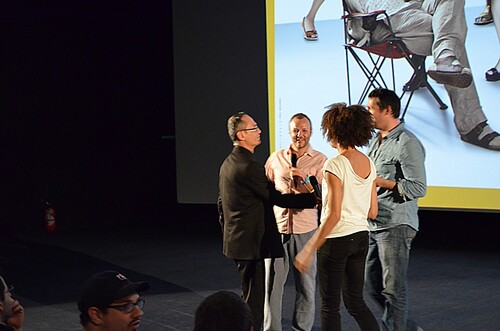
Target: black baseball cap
x,y
104,288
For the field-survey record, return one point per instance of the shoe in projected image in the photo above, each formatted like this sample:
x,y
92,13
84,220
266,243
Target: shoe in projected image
x,y
449,71
485,17
311,35
492,75
482,135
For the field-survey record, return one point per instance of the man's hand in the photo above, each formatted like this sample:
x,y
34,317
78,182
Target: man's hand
x,y
296,173
385,183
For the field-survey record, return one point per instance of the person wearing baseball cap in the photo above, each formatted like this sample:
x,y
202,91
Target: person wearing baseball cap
x,y
110,301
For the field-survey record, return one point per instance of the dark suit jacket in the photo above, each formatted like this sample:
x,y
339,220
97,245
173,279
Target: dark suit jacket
x,y
245,208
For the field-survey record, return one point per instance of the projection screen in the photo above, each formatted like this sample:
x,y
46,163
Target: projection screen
x,y
305,76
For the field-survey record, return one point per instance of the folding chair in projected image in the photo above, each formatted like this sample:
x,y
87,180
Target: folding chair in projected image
x,y
393,48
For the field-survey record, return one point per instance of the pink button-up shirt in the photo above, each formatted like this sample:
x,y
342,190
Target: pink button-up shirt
x,y
294,221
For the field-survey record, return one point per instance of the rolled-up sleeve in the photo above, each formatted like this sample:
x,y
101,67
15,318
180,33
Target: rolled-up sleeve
x,y
413,182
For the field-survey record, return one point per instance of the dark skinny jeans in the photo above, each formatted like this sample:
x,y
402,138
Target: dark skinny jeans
x,y
341,268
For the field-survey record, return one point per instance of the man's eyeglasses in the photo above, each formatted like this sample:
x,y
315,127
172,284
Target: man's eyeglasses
x,y
254,129
127,308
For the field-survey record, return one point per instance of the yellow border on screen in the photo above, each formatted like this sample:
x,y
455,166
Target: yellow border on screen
x,y
270,71
437,197
461,198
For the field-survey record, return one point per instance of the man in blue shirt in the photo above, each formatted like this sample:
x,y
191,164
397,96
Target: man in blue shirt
x,y
399,158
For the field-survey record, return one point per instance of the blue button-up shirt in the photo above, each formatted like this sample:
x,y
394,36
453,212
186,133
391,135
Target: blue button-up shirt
x,y
400,157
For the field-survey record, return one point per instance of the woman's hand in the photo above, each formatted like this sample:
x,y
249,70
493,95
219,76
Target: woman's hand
x,y
303,260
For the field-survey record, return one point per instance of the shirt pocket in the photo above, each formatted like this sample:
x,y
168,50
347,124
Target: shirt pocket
x,y
386,165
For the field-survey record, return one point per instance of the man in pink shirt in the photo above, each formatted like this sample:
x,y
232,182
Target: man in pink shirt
x,y
287,168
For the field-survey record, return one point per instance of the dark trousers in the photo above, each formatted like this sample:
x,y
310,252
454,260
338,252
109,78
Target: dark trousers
x,y
252,286
341,267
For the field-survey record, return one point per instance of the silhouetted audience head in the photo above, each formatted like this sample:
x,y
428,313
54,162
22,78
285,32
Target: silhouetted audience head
x,y
11,311
223,311
110,301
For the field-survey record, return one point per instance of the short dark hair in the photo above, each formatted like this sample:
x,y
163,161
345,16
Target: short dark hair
x,y
386,98
223,311
301,116
351,125
234,124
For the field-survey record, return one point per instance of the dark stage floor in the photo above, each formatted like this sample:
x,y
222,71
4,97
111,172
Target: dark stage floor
x,y
452,286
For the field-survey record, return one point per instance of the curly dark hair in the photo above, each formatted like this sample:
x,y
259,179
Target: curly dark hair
x,y
350,126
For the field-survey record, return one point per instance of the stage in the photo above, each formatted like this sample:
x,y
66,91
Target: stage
x,y
453,274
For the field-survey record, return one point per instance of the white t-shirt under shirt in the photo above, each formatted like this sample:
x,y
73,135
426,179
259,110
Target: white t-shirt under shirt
x,y
356,198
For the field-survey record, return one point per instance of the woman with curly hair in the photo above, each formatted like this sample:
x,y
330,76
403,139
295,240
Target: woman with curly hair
x,y
349,198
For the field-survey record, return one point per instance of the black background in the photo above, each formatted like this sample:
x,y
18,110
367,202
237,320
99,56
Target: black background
x,y
220,63
87,110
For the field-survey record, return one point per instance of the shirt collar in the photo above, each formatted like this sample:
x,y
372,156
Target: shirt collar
x,y
395,131
309,151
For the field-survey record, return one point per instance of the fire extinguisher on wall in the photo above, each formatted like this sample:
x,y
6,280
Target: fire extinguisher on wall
x,y
49,217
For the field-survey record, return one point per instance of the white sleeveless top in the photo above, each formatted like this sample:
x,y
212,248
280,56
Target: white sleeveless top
x,y
356,199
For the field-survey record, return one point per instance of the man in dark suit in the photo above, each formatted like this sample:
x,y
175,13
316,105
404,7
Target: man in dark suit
x,y
245,209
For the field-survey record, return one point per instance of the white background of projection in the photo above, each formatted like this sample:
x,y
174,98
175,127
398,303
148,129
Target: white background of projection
x,y
312,75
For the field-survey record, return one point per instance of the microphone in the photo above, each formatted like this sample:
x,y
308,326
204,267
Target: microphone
x,y
315,185
317,191
293,160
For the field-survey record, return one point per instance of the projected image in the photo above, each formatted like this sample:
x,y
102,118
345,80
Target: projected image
x,y
310,72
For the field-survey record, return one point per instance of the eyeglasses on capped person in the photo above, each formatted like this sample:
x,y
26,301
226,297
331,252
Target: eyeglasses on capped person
x,y
127,308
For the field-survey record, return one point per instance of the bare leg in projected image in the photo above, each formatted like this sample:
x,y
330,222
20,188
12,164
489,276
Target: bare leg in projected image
x,y
310,32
